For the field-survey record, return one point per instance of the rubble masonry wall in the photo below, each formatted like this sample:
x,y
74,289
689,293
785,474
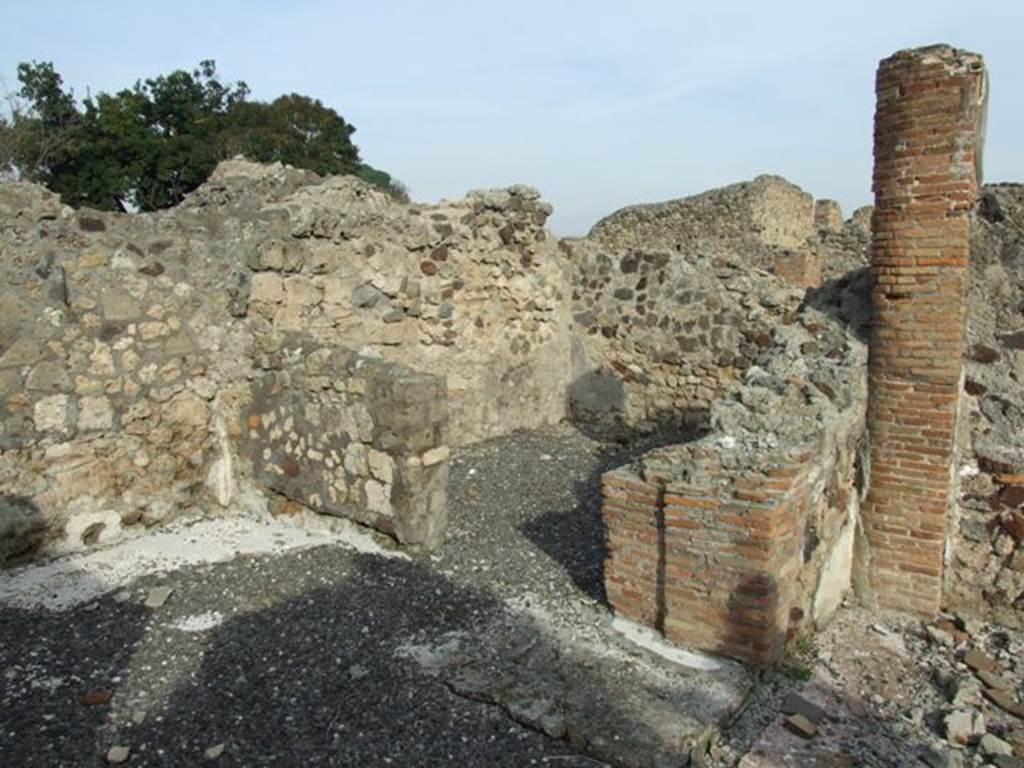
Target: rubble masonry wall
x,y
352,437
140,354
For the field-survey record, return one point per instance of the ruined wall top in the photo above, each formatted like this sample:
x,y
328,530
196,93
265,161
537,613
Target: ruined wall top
x,y
767,212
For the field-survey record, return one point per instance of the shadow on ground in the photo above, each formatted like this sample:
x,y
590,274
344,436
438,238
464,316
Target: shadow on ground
x,y
574,537
340,675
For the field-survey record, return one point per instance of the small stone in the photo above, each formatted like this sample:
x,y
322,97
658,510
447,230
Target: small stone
x,y
963,725
358,672
856,705
942,758
915,716
139,716
971,626
880,629
212,753
553,725
939,636
436,455
977,660
118,754
994,681
795,704
1004,700
946,625
1016,738
983,354
992,745
157,596
123,596
1007,761
801,726
366,296
966,691
98,696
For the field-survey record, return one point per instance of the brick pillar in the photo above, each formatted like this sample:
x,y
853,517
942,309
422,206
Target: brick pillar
x,y
798,268
930,104
828,215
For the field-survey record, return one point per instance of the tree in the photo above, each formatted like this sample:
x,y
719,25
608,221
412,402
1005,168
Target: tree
x,y
149,145
293,129
39,125
385,181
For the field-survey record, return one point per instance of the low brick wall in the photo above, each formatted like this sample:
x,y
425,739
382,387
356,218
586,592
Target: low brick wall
x,y
734,544
713,565
353,437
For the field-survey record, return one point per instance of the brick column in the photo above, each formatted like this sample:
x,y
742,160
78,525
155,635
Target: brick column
x,y
930,105
800,268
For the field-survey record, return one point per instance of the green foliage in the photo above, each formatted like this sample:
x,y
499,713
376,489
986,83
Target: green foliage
x,y
384,181
149,145
797,662
794,670
294,130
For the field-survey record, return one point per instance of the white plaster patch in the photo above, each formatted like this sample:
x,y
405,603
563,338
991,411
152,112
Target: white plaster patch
x,y
74,579
199,622
220,478
433,658
836,572
650,640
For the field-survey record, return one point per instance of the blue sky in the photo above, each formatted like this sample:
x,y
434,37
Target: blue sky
x,y
598,104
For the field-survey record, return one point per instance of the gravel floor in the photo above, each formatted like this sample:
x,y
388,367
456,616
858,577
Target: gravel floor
x,y
295,659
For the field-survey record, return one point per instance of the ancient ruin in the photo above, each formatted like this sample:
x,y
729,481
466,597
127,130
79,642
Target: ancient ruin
x,y
840,400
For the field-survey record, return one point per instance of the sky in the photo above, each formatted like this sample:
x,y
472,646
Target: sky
x,y
597,104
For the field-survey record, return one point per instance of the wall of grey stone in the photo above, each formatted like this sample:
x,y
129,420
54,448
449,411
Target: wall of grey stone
x,y
353,437
662,333
673,301
985,560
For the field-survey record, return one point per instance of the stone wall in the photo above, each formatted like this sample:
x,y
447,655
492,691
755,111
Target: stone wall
x,y
925,184
661,334
672,302
985,573
132,346
752,217
473,291
119,381
353,437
